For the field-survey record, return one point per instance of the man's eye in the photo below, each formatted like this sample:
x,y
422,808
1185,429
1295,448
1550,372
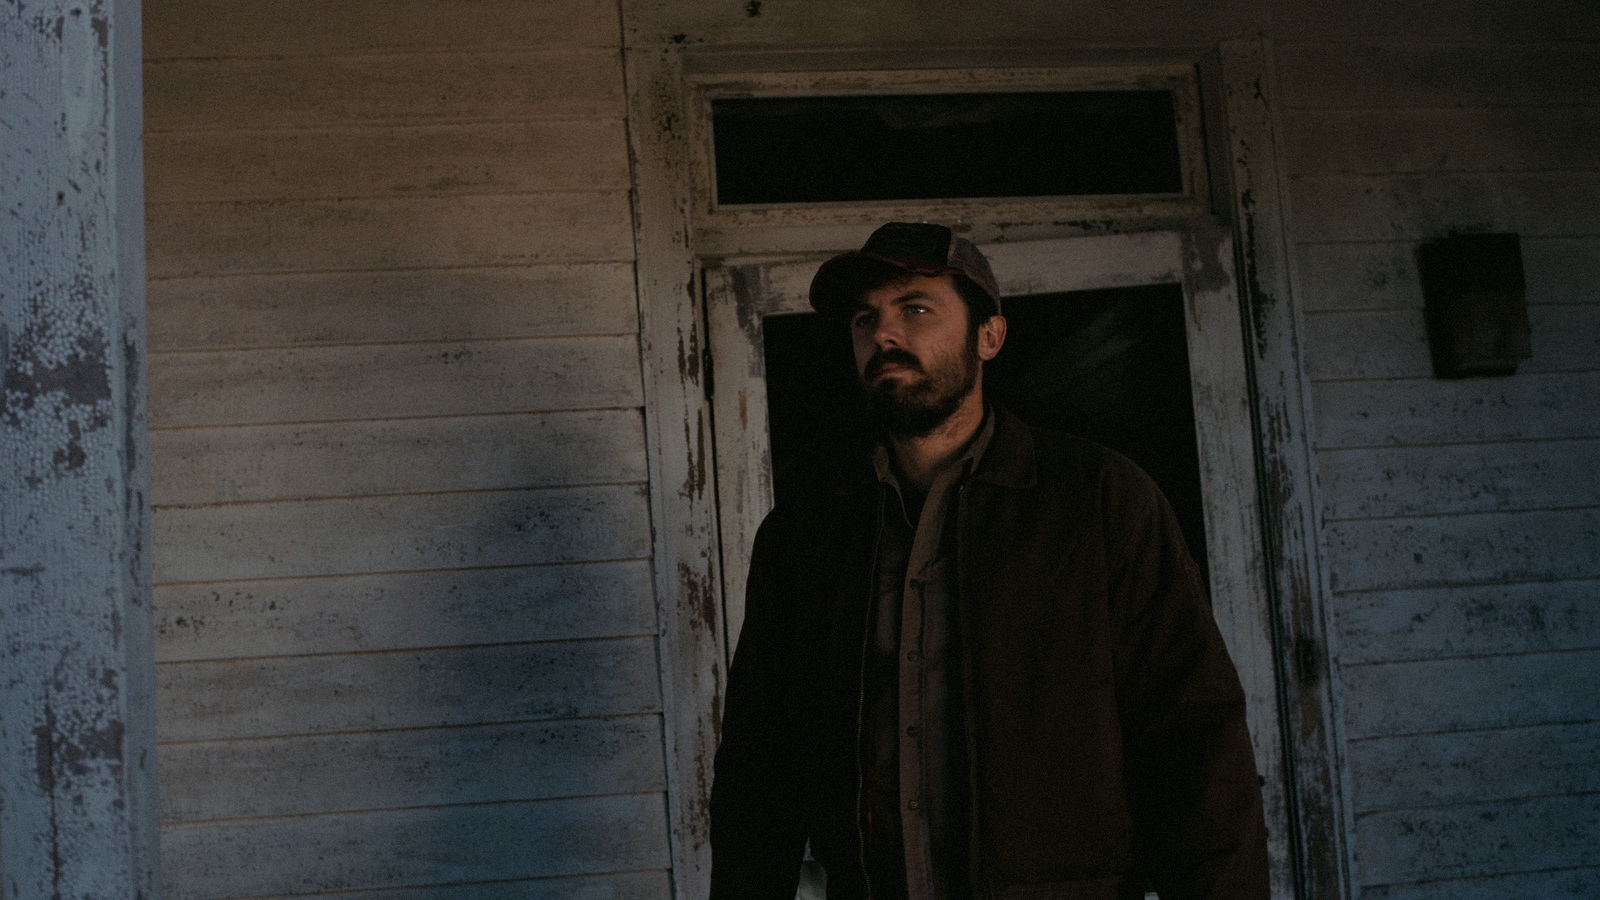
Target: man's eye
x,y
861,321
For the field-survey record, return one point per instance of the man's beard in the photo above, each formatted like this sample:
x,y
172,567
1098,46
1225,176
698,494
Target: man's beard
x,y
915,409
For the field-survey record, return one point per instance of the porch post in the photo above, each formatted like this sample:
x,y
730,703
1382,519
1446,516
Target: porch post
x,y
78,814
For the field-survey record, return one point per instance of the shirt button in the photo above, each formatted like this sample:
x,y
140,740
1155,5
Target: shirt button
x,y
913,730
912,804
913,655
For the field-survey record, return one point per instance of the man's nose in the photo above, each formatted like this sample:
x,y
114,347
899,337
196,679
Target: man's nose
x,y
886,334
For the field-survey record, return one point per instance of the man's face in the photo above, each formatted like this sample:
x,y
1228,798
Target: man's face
x,y
917,358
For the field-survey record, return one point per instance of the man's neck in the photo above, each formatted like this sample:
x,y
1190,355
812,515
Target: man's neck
x,y
920,459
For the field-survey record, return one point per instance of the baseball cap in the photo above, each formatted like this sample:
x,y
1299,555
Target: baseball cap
x,y
920,248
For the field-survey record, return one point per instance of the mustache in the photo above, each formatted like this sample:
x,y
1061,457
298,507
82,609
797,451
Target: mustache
x,y
891,355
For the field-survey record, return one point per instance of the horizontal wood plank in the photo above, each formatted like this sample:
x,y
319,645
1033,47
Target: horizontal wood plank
x,y
1471,694
397,456
1383,275
649,885
225,28
1479,839
1471,139
431,160
1414,481
402,611
302,695
1417,207
1559,884
1482,21
1477,410
415,847
1326,74
386,89
322,384
1386,554
1394,343
245,237
375,307
399,769
400,533
1474,767
1383,626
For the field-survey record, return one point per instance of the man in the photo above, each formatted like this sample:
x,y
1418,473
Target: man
x,y
979,663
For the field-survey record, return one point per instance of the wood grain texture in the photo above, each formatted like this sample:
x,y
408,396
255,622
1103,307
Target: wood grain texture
x,y
396,456
1381,626
1470,139
226,28
387,89
1385,554
1394,343
1383,275
251,698
1484,410
495,158
1434,21
401,611
1581,883
1471,694
414,847
1474,767
374,307
262,236
1413,481
1330,74
1416,207
645,885
398,769
321,384
1479,839
400,533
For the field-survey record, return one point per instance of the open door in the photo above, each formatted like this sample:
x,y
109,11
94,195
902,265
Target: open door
x,y
1126,329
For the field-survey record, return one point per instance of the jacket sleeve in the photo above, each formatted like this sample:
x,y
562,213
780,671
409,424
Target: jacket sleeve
x,y
757,831
1198,825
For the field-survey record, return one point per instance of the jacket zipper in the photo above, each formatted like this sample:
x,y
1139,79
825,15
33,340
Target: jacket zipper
x,y
861,694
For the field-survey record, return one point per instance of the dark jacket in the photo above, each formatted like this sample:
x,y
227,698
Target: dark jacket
x,y
1105,723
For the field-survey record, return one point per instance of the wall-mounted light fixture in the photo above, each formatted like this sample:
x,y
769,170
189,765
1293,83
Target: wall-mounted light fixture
x,y
1477,307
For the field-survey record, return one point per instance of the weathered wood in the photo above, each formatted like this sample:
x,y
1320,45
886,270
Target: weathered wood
x,y
1474,767
399,848
1383,275
1483,410
406,610
1479,839
1385,74
364,307
1384,554
417,232
646,885
1560,884
1481,22
400,533
1471,694
402,88
495,158
1394,343
1379,626
1413,481
240,387
397,769
1415,207
208,701
1474,139
473,453
223,28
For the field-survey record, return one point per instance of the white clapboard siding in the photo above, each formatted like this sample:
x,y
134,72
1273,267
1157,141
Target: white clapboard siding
x,y
405,88
1472,620
488,158
395,456
268,697
1417,207
1330,75
1383,274
1479,839
414,847
402,610
1478,548
272,310
261,236
1474,139
211,29
1394,343
1470,767
1430,411
1478,22
1559,884
643,885
1412,481
409,768
319,384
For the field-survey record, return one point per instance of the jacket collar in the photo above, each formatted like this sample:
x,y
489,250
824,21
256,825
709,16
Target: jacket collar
x,y
1009,460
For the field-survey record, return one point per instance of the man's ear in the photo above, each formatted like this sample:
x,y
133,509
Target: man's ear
x,y
991,335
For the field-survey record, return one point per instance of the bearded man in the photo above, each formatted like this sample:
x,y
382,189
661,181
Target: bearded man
x,y
980,662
